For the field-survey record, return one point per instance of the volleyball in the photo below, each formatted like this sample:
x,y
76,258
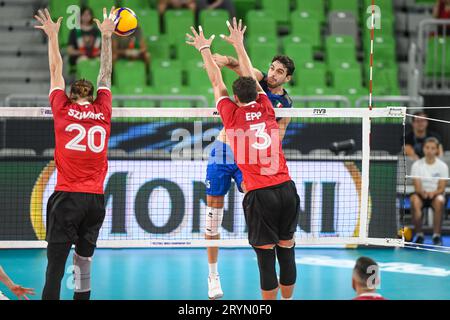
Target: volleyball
x,y
128,22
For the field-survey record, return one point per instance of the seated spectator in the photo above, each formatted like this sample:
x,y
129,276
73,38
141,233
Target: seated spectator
x,y
132,47
366,279
441,10
415,139
164,5
217,4
84,43
19,291
429,191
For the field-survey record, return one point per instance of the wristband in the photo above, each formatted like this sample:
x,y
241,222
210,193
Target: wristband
x,y
204,47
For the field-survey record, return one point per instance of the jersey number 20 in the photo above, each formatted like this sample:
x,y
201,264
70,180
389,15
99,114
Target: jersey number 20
x,y
74,144
260,133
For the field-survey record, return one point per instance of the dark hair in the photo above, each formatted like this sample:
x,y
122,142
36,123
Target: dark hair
x,y
287,62
432,140
245,89
84,9
82,89
419,114
363,271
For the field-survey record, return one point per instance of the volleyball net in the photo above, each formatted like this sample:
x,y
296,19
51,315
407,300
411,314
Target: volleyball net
x,y
344,162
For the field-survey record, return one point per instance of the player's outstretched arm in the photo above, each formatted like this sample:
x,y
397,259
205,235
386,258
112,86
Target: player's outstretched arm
x,y
107,28
233,64
51,29
236,38
203,45
19,291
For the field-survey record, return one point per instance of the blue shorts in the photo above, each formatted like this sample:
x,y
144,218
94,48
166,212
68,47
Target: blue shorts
x,y
221,168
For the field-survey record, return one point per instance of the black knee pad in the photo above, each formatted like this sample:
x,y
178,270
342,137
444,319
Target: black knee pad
x,y
267,271
288,268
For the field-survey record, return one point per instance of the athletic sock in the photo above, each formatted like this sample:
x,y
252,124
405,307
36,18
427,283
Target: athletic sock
x,y
82,295
213,269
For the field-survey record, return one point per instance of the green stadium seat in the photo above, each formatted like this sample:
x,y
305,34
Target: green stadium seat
x,y
167,73
279,9
177,24
115,91
223,48
243,7
297,49
315,8
435,64
214,22
261,23
351,6
207,92
346,77
229,77
98,5
384,50
386,7
196,75
148,21
58,8
174,90
88,69
159,47
311,74
306,27
137,91
186,53
387,29
340,49
353,94
261,51
129,73
385,79
135,5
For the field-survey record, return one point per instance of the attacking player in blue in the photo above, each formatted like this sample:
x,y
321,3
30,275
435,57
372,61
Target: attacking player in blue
x,y
222,167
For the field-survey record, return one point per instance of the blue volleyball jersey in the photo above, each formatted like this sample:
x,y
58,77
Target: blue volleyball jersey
x,y
278,100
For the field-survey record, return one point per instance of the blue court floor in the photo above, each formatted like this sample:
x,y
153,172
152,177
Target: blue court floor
x,y
182,273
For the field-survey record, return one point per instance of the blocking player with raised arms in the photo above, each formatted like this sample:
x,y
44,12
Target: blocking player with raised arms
x,y
76,210
221,165
271,203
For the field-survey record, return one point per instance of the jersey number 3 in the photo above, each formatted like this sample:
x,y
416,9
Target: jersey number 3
x,y
260,133
74,144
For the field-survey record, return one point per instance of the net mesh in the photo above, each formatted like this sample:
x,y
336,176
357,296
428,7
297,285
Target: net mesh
x,y
155,189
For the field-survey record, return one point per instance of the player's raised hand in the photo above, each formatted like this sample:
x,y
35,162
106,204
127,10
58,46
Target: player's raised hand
x,y
198,40
237,31
21,292
109,23
50,28
220,60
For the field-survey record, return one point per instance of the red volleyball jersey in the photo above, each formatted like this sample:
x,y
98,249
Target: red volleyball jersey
x,y
81,141
253,133
369,296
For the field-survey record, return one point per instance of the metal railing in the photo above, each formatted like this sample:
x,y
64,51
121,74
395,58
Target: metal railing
x,y
24,100
433,40
314,101
407,101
